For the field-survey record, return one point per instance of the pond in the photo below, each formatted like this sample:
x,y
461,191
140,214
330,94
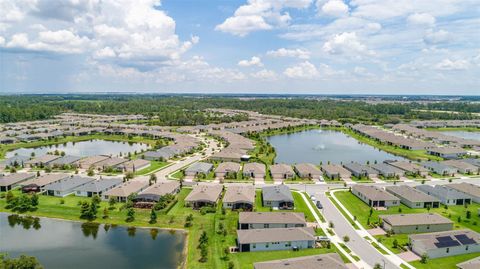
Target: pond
x,y
463,134
315,146
84,148
65,244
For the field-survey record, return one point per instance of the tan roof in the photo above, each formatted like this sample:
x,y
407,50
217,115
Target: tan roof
x,y
467,188
271,217
336,169
307,168
43,159
410,194
408,166
258,168
162,187
14,178
240,193
322,261
374,193
127,188
281,169
45,179
414,219
228,167
275,235
205,192
134,163
89,161
470,264
109,162
460,165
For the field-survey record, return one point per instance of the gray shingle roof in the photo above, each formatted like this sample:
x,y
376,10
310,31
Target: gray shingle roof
x,y
272,217
277,193
414,219
322,261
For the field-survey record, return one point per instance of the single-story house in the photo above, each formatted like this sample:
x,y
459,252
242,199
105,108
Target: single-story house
x,y
472,161
375,197
97,187
17,160
38,184
412,197
462,167
446,195
439,168
277,196
308,170
90,161
267,220
411,169
198,168
66,186
470,264
227,169
204,195
469,189
321,261
157,155
133,165
239,197
444,244
254,170
110,162
151,195
41,160
387,171
360,170
275,239
281,171
447,152
65,160
121,192
415,223
334,171
8,182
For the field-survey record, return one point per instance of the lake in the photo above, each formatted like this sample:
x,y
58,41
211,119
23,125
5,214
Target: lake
x,y
84,148
315,146
64,244
463,134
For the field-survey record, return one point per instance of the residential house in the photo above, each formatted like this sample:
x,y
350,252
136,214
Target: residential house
x,y
470,264
38,184
41,160
64,160
90,161
411,169
444,244
387,171
227,170
121,192
334,171
239,197
66,186
281,172
360,170
446,195
462,167
204,195
254,170
278,196
133,165
8,182
308,170
97,187
267,220
439,168
447,152
17,160
415,223
151,195
412,197
375,197
469,189
109,163
321,261
275,239
198,168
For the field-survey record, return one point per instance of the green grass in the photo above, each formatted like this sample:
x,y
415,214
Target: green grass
x,y
446,262
301,206
154,167
344,213
375,245
402,240
322,219
362,211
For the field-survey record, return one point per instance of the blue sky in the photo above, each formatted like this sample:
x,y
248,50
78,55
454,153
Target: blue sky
x,y
240,46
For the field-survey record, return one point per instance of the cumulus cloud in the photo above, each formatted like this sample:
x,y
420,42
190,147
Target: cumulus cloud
x,y
264,74
62,41
346,43
254,61
301,70
424,19
283,52
258,15
436,37
333,8
452,65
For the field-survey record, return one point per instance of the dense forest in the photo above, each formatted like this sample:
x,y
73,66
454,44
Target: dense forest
x,y
178,110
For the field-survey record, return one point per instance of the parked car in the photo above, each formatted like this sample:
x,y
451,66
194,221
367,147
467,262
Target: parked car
x,y
319,205
312,197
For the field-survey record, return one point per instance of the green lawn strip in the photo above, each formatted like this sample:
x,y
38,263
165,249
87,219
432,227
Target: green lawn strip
x,y
322,219
445,262
358,208
154,166
404,266
301,206
387,241
345,247
375,245
343,211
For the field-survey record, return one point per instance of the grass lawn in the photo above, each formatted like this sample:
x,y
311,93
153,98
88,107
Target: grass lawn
x,y
344,213
402,240
362,211
154,166
446,262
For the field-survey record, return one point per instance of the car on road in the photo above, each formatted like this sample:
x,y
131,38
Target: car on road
x,y
312,197
319,205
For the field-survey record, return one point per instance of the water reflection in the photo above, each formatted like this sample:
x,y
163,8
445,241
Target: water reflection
x,y
26,222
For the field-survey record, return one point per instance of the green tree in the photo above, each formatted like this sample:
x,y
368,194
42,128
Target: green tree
x,y
153,216
130,214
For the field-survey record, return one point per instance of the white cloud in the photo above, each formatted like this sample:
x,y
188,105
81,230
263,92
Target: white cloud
x,y
333,8
432,37
254,61
301,70
346,43
455,65
2,40
283,52
258,15
62,41
424,19
362,71
264,74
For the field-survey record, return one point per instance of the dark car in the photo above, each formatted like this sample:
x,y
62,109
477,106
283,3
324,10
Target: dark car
x,y
319,205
